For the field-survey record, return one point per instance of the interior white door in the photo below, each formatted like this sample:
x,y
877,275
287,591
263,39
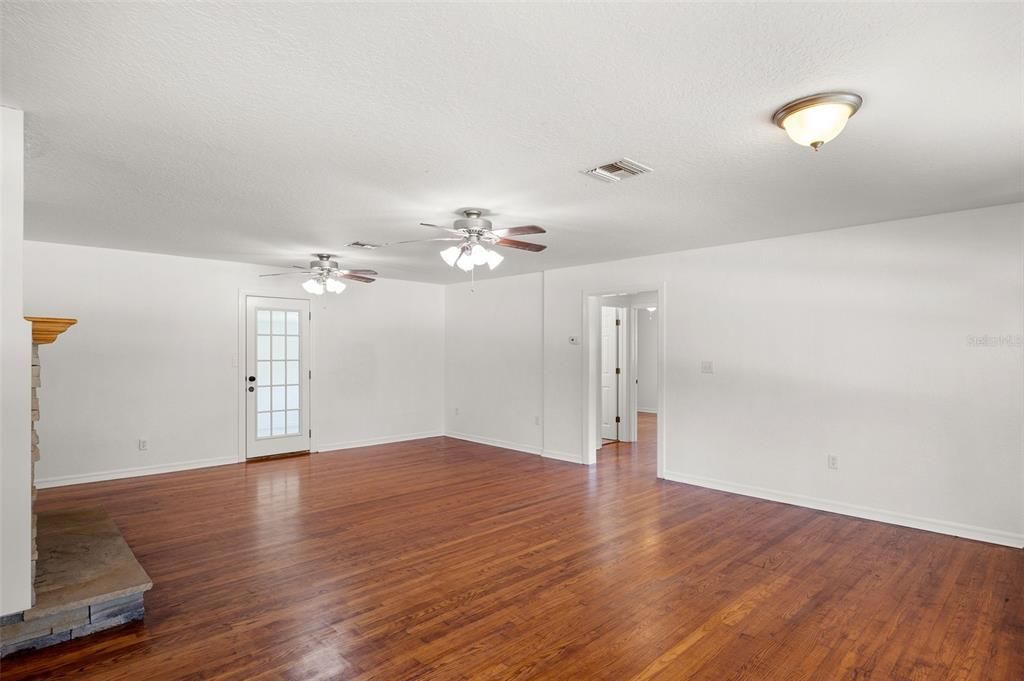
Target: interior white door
x,y
627,374
276,376
609,375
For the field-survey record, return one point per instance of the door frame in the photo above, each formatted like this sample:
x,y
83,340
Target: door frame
x,y
239,363
631,373
590,365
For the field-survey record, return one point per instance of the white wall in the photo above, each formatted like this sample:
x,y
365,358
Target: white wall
x,y
853,342
647,360
494,361
15,379
155,356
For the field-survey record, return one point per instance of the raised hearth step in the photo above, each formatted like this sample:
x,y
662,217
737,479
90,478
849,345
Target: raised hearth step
x,y
87,580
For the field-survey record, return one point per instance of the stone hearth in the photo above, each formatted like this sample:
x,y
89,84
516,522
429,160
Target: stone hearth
x,y
87,580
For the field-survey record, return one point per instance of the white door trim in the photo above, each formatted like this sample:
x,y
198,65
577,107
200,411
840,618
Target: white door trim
x,y
239,362
590,366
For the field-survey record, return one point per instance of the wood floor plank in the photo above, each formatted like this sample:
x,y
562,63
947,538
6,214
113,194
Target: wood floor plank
x,y
443,559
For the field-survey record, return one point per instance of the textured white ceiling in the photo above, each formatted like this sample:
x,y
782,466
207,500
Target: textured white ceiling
x,y
263,132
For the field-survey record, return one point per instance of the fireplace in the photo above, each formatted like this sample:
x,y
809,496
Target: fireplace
x,y
85,577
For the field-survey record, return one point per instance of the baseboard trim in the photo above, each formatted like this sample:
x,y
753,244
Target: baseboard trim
x,y
893,518
386,440
493,442
562,456
118,474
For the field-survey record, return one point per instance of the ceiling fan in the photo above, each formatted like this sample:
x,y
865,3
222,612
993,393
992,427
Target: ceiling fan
x,y
476,233
326,274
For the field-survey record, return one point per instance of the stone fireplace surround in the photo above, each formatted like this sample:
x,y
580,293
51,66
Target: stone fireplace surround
x,y
85,577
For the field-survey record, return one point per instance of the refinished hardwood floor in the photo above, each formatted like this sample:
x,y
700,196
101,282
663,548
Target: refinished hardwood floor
x,y
442,559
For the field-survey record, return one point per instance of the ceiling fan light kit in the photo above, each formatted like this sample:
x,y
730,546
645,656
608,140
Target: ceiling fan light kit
x,y
325,274
815,120
450,255
468,256
475,234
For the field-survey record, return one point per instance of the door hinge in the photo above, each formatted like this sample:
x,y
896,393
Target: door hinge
x,y
618,322
311,432
310,316
618,370
618,419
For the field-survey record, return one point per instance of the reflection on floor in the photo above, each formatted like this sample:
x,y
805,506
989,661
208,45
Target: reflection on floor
x,y
643,452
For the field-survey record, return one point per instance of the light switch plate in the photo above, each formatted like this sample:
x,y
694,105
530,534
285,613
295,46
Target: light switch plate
x,y
707,366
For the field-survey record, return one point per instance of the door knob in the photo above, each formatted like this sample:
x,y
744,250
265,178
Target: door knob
x,y
252,378
252,389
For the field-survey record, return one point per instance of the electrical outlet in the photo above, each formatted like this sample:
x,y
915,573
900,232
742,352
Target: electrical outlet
x,y
143,445
456,411
833,462
536,420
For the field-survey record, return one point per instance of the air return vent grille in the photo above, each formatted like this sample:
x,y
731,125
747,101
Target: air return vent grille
x,y
617,170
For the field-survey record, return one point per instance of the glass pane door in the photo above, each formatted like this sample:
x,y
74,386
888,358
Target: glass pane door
x,y
276,385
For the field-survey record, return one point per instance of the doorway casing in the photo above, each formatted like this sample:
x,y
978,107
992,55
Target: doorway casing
x,y
239,362
590,366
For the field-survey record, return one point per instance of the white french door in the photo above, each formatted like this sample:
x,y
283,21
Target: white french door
x,y
276,376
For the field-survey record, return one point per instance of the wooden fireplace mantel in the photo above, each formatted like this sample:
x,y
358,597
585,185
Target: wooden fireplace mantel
x,y
46,329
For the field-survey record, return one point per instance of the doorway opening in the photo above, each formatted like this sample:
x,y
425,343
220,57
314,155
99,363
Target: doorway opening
x,y
625,377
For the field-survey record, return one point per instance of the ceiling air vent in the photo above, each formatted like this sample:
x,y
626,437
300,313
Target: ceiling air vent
x,y
363,244
617,170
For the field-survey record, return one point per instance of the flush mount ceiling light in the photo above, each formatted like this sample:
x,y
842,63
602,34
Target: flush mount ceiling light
x,y
813,121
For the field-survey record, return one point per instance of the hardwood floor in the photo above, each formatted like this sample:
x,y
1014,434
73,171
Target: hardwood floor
x,y
442,559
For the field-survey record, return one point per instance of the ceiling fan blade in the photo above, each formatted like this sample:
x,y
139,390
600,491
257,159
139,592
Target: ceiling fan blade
x,y
423,241
447,229
521,245
356,277
365,273
519,231
284,274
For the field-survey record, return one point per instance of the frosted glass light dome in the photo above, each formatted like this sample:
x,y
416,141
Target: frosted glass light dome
x,y
313,286
818,119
